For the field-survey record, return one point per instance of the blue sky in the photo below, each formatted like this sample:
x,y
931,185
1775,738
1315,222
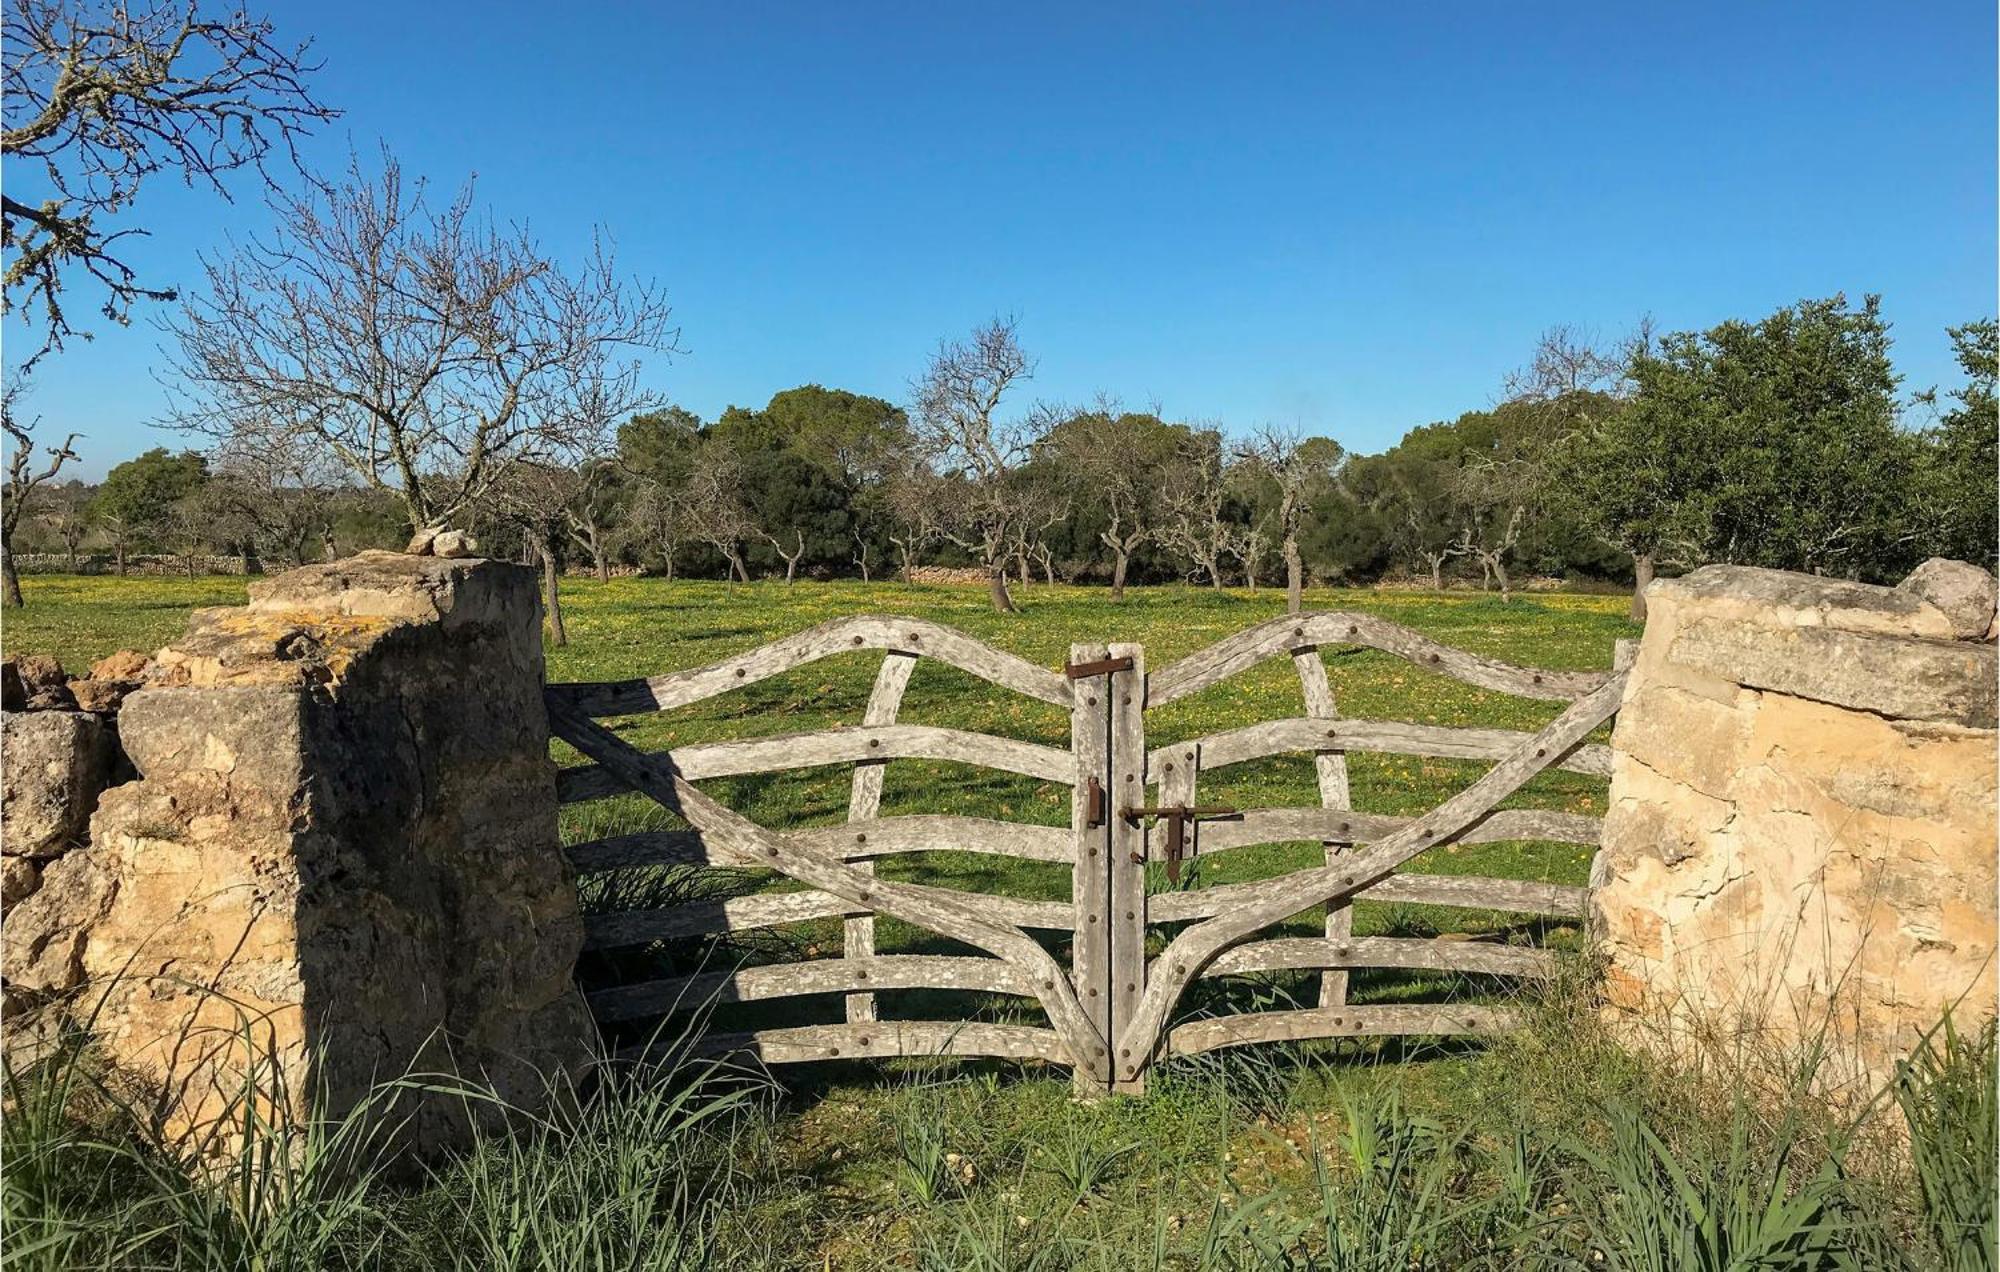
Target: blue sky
x,y
1350,218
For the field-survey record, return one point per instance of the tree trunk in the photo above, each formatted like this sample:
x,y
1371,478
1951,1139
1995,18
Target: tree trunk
x,y
740,574
10,581
1437,574
1500,573
602,562
72,558
791,569
1642,577
1118,577
121,560
552,584
909,578
1002,602
1295,578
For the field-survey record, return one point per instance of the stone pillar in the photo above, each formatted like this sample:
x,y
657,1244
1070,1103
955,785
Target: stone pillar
x,y
343,846
1802,813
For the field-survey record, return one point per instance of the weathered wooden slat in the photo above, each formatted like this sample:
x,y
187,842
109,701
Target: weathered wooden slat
x,y
855,841
1336,1022
1345,826
703,760
865,801
843,635
887,1039
709,918
819,976
1261,904
1127,909
1382,951
1090,879
1247,648
759,910
1330,771
1393,737
1468,892
970,919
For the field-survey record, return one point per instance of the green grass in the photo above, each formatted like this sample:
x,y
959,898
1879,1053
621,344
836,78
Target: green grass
x,y
1371,1153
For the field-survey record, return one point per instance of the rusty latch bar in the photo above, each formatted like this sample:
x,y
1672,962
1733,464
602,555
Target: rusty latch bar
x,y
1177,817
1102,667
1093,804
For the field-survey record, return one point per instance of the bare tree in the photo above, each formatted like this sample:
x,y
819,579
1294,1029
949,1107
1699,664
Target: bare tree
x,y
1194,491
593,511
861,547
1117,461
1298,468
536,499
1493,499
283,495
713,509
658,520
65,511
917,499
791,558
23,479
100,96
957,401
427,349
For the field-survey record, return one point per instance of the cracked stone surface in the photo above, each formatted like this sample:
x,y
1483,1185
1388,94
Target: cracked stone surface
x,y
1802,815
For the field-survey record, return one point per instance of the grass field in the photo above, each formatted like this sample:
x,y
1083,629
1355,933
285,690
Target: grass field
x,y
1238,1159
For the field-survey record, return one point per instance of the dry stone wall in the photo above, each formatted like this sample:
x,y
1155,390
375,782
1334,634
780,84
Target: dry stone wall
x,y
1802,817
341,846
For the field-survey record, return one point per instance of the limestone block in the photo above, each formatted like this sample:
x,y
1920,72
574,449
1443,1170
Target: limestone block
x,y
1963,592
1802,813
52,766
346,827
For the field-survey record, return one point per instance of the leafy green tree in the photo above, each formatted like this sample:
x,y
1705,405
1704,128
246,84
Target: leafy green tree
x,y
1959,477
137,502
1770,443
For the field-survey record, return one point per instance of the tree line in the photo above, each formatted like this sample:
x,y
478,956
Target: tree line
x,y
1777,442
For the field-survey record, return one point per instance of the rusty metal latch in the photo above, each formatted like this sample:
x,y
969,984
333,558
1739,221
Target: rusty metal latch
x,y
1177,817
1093,804
1102,667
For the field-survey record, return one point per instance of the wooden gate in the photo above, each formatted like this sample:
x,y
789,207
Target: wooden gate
x,y
1109,1006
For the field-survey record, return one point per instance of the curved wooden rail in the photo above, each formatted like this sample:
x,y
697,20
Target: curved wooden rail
x,y
769,909
1465,892
1289,634
888,1039
1393,737
1313,953
1198,1036
1261,904
1345,826
703,760
842,635
956,915
855,841
820,976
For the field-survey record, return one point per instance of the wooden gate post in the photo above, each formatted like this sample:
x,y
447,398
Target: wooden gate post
x,y
1126,912
1092,813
